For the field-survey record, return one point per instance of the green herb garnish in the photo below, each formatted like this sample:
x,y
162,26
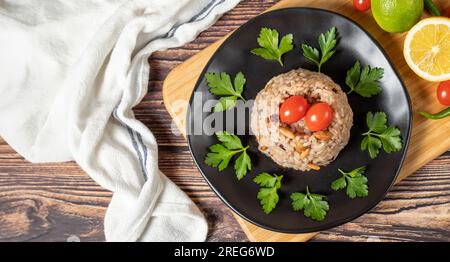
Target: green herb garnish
x,y
439,115
269,48
327,43
313,205
366,83
379,135
268,194
354,181
221,154
432,8
220,85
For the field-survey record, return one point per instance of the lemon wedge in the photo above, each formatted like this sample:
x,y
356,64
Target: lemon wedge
x,y
427,49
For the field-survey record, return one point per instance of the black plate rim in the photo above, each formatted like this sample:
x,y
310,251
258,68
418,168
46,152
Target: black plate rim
x,y
336,222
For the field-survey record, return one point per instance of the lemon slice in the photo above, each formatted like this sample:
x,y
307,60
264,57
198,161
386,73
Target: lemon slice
x,y
427,49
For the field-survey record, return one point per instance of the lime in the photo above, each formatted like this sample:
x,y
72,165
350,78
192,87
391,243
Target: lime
x,y
396,16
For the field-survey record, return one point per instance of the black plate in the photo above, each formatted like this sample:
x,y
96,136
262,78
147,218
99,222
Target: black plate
x,y
354,44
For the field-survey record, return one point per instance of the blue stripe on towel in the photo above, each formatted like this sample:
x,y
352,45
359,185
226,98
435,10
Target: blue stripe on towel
x,y
144,149
198,17
136,148
136,144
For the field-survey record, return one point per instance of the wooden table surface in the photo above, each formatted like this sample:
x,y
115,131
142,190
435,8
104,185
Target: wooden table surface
x,y
59,202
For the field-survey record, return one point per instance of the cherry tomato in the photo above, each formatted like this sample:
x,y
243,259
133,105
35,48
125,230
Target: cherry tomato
x,y
448,12
293,109
443,93
361,5
319,117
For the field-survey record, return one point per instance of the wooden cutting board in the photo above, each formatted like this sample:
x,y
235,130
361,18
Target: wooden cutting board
x,y
429,139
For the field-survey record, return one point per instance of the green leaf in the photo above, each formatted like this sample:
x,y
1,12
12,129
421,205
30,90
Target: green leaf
x,y
220,85
364,82
364,143
374,74
311,53
268,194
269,48
316,209
391,140
357,171
368,89
268,198
268,38
299,201
377,122
265,180
354,181
219,156
369,84
339,183
231,141
313,205
380,136
357,186
264,53
242,165
374,145
286,44
327,43
353,75
225,103
239,82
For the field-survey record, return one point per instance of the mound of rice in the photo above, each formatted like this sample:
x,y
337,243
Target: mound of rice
x,y
294,146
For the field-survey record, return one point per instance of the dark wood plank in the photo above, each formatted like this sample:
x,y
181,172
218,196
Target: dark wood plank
x,y
59,202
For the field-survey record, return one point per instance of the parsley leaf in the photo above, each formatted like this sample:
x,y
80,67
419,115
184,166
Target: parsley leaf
x,y
269,48
268,194
220,85
376,122
327,43
372,144
220,154
391,140
225,103
266,180
380,136
354,181
231,141
313,205
242,164
365,82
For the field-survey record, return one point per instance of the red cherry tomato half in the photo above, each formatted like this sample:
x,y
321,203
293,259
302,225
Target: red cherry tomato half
x,y
293,109
443,93
319,117
361,5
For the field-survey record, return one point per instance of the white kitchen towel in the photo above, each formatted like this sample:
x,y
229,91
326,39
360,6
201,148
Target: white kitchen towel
x,y
70,73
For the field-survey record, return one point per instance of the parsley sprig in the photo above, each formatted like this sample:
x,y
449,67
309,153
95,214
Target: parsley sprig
x,y
268,193
220,85
313,205
327,43
270,46
366,81
354,181
220,154
379,135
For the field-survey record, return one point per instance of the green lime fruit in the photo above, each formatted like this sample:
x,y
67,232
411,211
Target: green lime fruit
x,y
395,16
